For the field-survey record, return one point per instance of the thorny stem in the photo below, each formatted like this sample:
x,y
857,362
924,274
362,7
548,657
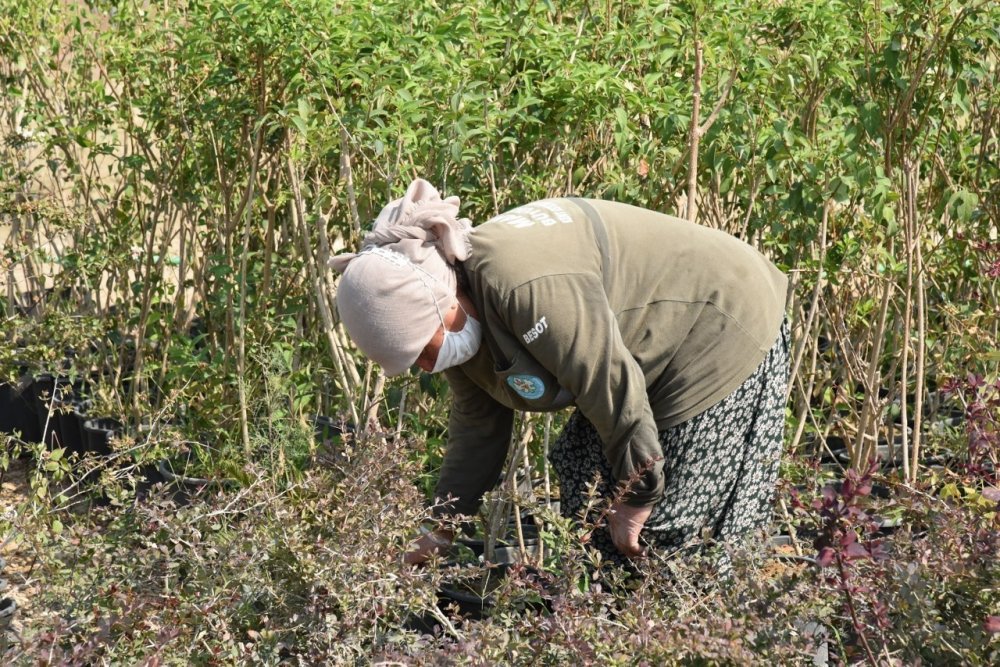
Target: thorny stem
x,y
619,495
845,586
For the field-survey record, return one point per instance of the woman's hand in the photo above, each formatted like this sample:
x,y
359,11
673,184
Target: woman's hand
x,y
430,543
625,522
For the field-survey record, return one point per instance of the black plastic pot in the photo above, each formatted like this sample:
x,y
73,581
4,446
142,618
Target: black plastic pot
x,y
42,392
782,540
149,476
888,455
878,490
827,449
98,433
940,412
948,421
887,526
7,610
17,411
69,432
81,413
329,430
506,550
51,394
803,535
329,434
471,596
795,560
457,601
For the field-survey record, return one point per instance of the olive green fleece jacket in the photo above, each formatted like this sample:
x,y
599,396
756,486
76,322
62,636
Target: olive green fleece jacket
x,y
640,319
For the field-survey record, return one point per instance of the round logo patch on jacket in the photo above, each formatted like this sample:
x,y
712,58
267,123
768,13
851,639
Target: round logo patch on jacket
x,y
527,386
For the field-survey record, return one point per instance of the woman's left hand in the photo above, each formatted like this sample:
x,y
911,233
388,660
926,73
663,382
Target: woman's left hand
x,y
429,544
625,523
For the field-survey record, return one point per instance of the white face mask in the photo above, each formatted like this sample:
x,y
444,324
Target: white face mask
x,y
459,346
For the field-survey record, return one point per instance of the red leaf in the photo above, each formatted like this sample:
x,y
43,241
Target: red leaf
x,y
992,624
825,557
855,550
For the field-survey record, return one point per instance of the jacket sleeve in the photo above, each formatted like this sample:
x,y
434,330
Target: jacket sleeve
x,y
479,431
581,345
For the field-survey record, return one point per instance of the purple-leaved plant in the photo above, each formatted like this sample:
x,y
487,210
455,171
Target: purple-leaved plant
x,y
981,399
844,537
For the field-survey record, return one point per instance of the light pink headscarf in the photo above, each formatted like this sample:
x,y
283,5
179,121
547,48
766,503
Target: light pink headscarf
x,y
393,293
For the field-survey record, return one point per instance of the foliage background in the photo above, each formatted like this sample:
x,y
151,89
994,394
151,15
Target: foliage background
x,y
175,173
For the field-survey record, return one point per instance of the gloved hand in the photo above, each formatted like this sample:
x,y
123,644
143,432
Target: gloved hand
x,y
429,543
624,523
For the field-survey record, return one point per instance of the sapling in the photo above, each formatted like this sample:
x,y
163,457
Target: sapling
x,y
840,515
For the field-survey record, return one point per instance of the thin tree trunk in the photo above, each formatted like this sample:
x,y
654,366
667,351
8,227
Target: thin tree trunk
x,y
698,129
872,378
297,210
694,136
904,380
814,304
347,173
921,352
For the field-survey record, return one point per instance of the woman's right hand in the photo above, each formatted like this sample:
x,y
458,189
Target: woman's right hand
x,y
429,544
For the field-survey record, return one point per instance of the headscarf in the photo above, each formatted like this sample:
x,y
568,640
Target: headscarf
x,y
394,292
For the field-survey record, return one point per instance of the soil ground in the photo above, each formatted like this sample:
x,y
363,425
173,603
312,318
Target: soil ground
x,y
20,573
784,563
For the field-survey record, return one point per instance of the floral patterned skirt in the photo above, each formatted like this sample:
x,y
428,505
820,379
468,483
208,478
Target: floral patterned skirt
x,y
720,466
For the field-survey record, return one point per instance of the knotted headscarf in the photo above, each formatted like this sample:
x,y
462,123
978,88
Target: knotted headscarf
x,y
394,292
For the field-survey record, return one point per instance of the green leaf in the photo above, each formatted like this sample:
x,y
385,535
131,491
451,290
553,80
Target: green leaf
x,y
949,491
621,118
963,204
888,215
583,583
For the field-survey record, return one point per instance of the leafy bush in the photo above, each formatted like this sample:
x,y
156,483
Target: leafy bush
x,y
312,571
